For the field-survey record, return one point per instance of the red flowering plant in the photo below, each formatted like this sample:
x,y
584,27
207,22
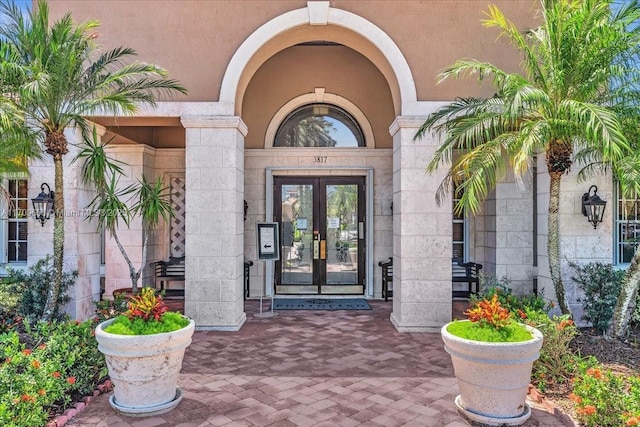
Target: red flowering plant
x,y
604,398
147,314
490,321
43,368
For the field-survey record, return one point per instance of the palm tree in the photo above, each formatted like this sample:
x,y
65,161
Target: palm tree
x,y
147,200
66,79
578,88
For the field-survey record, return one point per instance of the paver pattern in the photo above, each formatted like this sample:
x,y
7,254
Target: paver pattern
x,y
306,368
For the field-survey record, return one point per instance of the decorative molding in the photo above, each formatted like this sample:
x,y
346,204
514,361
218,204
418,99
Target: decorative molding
x,y
318,12
402,122
319,96
301,17
234,122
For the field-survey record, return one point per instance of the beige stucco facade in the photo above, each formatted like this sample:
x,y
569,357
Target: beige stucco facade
x,y
247,65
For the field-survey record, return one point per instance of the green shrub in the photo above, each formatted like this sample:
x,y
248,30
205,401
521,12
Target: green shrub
x,y
10,293
603,398
75,343
509,333
43,372
33,286
108,309
601,285
557,362
170,321
491,286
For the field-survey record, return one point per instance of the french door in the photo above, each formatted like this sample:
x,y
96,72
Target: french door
x,y
322,235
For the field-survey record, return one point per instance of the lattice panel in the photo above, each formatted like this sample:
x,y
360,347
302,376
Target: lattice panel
x,y
176,228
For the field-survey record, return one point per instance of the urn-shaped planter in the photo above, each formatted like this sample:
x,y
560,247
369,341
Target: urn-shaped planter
x,y
493,378
144,369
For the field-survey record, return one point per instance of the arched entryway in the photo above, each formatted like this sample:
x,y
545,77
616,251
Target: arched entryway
x,y
255,88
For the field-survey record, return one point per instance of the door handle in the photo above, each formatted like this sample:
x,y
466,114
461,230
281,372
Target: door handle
x,y
323,249
316,244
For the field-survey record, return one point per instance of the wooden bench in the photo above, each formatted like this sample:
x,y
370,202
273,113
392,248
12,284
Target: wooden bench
x,y
387,278
171,270
466,272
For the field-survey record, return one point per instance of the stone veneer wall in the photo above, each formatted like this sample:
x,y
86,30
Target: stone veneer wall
x,y
82,241
300,162
579,241
513,234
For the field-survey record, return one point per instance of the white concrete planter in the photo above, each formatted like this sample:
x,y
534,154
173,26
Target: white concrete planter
x,y
144,369
493,378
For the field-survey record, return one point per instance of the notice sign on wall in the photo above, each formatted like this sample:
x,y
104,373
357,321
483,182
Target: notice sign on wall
x,y
268,245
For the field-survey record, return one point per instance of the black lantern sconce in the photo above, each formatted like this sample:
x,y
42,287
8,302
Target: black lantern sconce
x,y
593,206
43,204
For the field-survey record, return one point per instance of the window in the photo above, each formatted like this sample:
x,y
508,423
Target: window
x,y
460,233
627,227
319,125
15,227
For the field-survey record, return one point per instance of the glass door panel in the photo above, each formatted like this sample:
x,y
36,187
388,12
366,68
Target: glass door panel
x,y
342,234
297,219
322,235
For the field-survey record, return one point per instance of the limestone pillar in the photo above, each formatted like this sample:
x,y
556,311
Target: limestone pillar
x,y
214,161
421,234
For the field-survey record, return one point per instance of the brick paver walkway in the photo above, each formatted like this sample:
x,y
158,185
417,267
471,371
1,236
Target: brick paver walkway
x,y
306,368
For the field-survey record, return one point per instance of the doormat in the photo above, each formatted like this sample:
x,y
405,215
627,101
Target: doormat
x,y
321,304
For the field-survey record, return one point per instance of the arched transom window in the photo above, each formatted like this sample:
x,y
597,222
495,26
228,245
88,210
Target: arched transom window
x,y
319,125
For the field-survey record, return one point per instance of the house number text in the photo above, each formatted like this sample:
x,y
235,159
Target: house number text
x,y
320,159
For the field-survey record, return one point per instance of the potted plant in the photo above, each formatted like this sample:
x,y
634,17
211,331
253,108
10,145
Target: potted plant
x,y
144,349
492,357
115,204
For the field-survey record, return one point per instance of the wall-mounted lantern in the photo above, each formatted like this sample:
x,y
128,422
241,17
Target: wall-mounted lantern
x,y
43,204
593,206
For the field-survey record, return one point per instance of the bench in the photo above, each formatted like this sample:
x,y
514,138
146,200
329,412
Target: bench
x,y
466,272
387,278
171,270
247,274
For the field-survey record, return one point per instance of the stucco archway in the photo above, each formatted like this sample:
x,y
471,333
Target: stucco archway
x,y
361,35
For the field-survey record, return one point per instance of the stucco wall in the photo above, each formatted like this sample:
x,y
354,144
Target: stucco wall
x,y
196,39
301,69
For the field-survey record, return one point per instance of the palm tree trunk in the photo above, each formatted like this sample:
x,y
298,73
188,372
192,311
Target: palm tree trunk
x,y
145,240
132,270
51,306
553,241
627,297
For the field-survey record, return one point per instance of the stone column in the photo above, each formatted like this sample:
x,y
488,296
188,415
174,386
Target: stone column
x,y
421,234
214,162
